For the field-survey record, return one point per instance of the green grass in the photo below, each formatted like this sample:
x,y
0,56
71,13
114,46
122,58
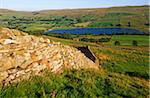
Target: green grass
x,y
77,84
127,39
127,60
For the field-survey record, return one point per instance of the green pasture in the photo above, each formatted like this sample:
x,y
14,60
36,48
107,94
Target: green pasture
x,y
127,39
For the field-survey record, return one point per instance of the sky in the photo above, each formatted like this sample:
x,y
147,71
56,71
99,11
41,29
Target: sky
x,y
35,5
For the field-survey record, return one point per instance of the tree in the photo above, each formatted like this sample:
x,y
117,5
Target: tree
x,y
117,43
129,24
118,25
134,43
104,39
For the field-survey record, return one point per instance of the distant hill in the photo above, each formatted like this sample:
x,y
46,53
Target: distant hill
x,y
79,11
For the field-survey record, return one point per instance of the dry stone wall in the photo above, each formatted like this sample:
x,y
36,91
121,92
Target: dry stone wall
x,y
22,56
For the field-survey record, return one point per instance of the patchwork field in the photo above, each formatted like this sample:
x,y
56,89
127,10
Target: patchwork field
x,y
135,17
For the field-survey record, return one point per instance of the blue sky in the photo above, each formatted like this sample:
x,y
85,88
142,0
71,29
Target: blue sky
x,y
32,5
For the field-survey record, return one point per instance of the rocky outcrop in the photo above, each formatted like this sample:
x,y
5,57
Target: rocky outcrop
x,y
22,56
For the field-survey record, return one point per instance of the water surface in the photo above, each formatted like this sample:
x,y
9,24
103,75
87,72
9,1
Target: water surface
x,y
97,31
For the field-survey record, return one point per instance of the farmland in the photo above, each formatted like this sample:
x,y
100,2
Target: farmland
x,y
135,17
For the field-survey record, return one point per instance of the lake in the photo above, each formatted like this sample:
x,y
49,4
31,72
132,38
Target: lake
x,y
97,31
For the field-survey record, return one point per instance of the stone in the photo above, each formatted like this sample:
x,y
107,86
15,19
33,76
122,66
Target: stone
x,y
42,40
25,64
47,41
27,70
7,63
19,73
1,46
9,41
12,71
3,75
11,77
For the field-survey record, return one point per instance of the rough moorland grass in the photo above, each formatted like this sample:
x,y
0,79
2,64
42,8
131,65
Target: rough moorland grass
x,y
78,84
133,62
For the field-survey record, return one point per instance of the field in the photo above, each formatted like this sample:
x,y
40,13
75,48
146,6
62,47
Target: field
x,y
127,39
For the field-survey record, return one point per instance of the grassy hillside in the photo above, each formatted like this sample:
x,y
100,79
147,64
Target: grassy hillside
x,y
78,84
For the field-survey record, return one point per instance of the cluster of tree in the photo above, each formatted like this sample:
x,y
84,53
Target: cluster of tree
x,y
116,43
134,43
95,40
64,35
119,24
36,32
108,24
147,24
57,21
